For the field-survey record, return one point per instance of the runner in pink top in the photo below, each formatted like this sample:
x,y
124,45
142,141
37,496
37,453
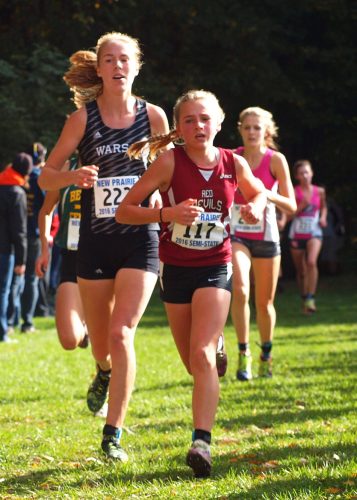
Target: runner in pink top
x,y
267,228
305,232
256,247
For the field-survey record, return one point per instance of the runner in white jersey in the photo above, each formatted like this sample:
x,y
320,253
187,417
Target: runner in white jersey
x,y
117,264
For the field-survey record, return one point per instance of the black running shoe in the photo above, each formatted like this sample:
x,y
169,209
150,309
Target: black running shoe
x,y
199,458
221,357
28,329
84,343
112,448
97,392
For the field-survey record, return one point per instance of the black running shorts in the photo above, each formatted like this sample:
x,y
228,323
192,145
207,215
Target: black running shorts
x,y
259,248
68,266
178,283
300,244
103,256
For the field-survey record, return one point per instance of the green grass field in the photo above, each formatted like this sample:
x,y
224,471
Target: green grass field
x,y
291,437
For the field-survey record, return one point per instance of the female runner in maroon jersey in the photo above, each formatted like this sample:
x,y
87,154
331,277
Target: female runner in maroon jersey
x,y
197,182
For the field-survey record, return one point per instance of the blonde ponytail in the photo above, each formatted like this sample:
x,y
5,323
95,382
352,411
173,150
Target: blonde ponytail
x,y
82,77
154,145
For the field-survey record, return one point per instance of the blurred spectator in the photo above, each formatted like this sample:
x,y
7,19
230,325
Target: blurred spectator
x,y
13,231
56,259
281,219
56,253
35,290
14,303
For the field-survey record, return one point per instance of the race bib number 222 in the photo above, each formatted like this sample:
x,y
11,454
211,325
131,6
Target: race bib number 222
x,y
109,192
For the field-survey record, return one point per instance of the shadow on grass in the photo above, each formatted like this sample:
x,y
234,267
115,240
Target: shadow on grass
x,y
322,455
300,369
315,338
265,420
292,489
80,396
319,458
93,477
162,386
56,479
30,482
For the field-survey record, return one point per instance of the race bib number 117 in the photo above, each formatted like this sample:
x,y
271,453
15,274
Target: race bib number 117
x,y
206,232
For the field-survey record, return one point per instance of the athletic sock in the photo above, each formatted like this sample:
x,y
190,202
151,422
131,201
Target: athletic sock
x,y
105,372
266,350
201,434
110,430
243,346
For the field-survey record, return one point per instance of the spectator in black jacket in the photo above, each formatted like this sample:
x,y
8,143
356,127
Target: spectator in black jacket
x,y
34,296
13,230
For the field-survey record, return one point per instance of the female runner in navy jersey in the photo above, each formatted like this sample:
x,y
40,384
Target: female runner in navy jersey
x,y
197,183
117,264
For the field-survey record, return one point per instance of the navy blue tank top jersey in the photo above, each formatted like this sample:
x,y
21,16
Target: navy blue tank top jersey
x,y
106,147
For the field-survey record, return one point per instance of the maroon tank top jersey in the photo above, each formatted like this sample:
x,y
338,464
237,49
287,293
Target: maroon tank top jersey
x,y
206,242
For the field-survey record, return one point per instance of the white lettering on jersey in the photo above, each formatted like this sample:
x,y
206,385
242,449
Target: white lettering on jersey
x,y
112,149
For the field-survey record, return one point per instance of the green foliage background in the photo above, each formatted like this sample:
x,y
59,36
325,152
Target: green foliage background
x,y
297,59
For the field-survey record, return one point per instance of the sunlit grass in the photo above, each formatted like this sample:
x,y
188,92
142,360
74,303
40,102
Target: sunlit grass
x,y
290,437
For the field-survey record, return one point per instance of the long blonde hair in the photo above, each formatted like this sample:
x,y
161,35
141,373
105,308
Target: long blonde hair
x,y
267,118
82,76
157,143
